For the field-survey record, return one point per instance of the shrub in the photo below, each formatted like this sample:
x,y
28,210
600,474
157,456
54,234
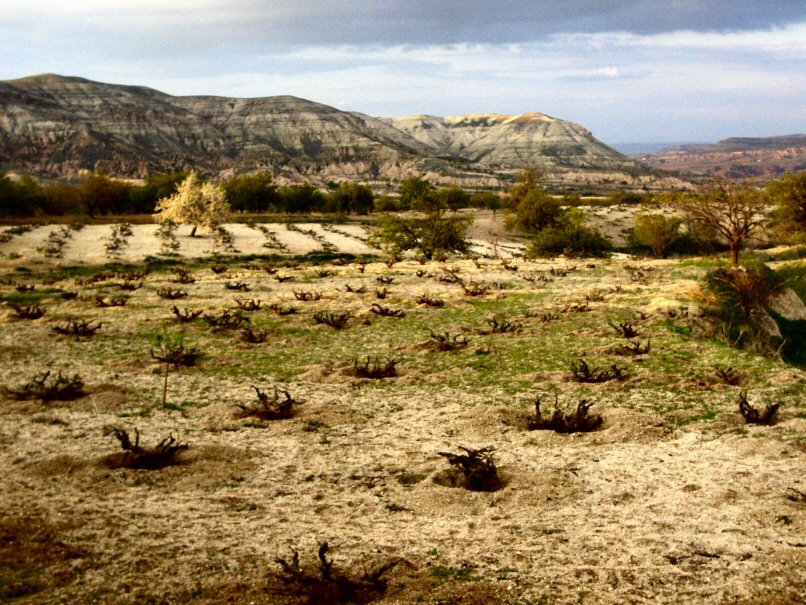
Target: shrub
x,y
138,457
170,349
376,369
431,236
734,300
634,348
78,327
171,294
753,415
383,311
728,376
334,320
581,372
27,311
186,315
227,320
560,421
477,467
535,212
330,586
253,335
571,240
45,388
502,326
270,408
624,328
431,301
446,342
657,232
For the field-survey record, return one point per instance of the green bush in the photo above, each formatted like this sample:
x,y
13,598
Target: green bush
x,y
536,211
430,236
573,238
657,232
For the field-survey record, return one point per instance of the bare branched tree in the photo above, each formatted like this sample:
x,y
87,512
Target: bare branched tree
x,y
733,210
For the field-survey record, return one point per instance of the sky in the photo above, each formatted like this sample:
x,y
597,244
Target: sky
x,y
628,70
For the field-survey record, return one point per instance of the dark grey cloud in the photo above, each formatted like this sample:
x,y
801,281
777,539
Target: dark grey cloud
x,y
456,21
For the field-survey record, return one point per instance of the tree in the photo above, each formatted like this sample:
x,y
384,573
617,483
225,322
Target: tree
x,y
733,210
536,211
302,197
789,196
100,194
657,232
486,199
571,236
430,236
251,193
528,179
454,198
413,190
194,203
351,197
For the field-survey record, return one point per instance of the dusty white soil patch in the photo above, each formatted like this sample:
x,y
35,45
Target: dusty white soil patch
x,y
655,506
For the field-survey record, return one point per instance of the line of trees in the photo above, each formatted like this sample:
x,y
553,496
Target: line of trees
x,y
98,194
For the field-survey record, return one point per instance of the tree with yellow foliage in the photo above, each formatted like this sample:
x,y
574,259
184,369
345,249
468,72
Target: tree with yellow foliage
x,y
194,203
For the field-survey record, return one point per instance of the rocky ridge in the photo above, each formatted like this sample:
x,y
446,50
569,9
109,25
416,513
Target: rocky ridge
x,y
735,158
57,126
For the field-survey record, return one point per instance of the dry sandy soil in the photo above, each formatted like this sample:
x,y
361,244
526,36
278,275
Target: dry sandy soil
x,y
672,500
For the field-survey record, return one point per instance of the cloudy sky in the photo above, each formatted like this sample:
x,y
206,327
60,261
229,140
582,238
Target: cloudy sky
x,y
629,70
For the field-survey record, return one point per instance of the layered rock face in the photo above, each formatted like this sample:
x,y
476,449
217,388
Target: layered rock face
x,y
59,126
530,139
736,158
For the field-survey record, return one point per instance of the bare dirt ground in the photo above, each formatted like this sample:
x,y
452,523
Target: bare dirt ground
x,y
673,500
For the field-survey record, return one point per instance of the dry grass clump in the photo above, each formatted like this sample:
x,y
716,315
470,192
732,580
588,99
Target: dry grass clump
x,y
325,585
563,421
136,456
46,388
754,415
279,406
477,467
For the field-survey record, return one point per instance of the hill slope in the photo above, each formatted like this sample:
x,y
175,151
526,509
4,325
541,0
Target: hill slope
x,y
59,126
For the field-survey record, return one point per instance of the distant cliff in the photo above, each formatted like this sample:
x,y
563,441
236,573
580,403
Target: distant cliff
x,y
60,126
736,158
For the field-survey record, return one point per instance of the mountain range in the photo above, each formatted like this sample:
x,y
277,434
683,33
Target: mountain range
x,y
56,126
735,158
